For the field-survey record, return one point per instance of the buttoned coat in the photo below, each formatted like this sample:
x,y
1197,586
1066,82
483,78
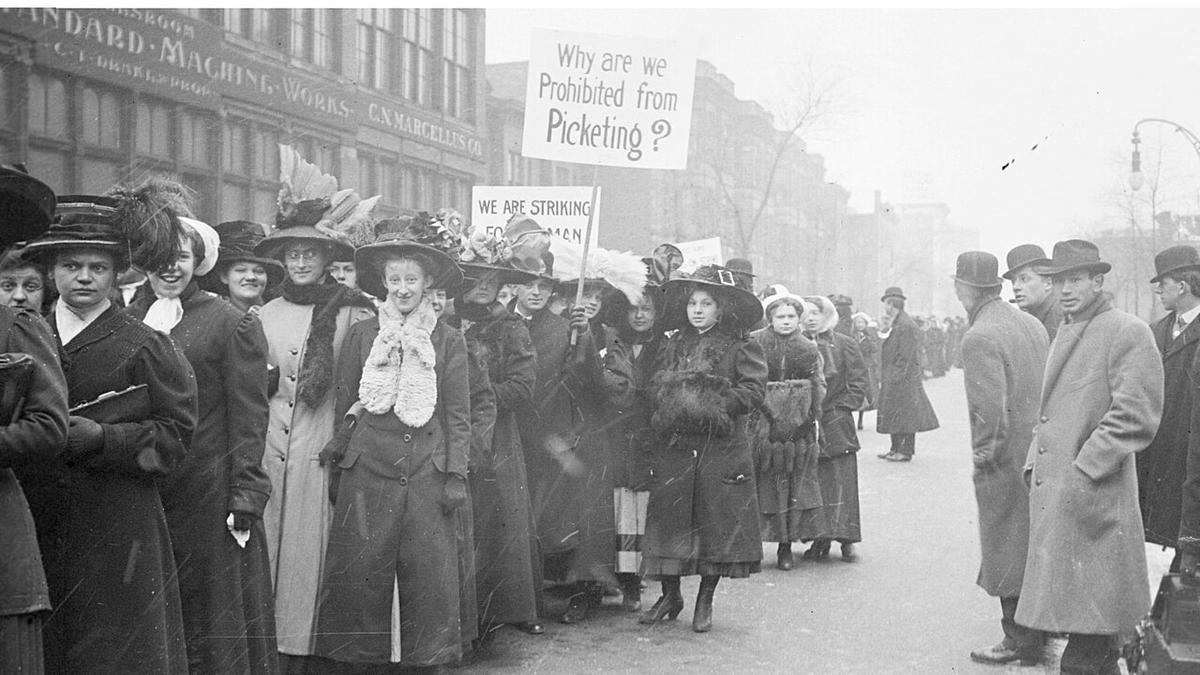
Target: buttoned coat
x,y
1003,358
99,517
1162,466
903,407
298,515
1101,403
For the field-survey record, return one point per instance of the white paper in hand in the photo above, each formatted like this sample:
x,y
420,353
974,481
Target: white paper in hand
x,y
240,536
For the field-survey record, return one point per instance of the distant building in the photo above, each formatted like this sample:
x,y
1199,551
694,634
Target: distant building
x,y
918,253
389,100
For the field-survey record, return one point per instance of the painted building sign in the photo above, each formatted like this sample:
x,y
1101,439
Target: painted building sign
x,y
191,61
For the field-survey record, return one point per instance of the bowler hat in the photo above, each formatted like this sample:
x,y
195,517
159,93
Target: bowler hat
x,y
893,292
978,269
1074,254
1174,259
1025,255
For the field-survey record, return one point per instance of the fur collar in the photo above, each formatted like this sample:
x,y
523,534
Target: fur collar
x,y
789,357
399,372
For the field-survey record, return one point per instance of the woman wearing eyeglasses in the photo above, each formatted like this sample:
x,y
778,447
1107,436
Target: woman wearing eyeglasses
x,y
304,328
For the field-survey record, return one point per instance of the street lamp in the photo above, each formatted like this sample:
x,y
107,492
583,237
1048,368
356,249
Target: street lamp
x,y
1136,179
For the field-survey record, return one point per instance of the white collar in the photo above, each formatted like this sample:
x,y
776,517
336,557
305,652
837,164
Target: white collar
x,y
1189,315
70,323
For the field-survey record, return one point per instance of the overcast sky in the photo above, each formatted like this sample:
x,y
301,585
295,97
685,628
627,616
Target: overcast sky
x,y
934,102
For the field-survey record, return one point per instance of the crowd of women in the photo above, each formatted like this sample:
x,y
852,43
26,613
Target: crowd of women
x,y
243,465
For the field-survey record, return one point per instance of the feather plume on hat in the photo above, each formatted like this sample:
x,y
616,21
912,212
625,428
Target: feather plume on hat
x,y
622,270
147,218
310,197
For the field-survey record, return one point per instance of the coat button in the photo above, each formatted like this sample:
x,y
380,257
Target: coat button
x,y
1037,482
1045,419
285,430
403,481
1041,451
294,351
408,438
292,378
291,403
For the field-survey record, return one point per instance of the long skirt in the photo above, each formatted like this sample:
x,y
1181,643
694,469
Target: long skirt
x,y
21,644
839,492
629,512
790,503
468,608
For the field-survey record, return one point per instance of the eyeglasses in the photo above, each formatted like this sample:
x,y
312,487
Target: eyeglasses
x,y
307,255
28,286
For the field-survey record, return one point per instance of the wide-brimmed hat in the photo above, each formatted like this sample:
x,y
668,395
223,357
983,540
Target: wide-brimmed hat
x,y
743,310
530,245
779,293
1024,256
1175,259
977,269
893,292
841,299
26,206
413,234
140,226
1074,254
829,315
238,239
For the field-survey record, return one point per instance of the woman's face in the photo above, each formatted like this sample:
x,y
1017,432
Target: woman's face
x,y
170,281
344,273
247,281
484,291
643,316
405,281
860,324
812,320
784,319
593,300
437,297
306,262
22,287
702,310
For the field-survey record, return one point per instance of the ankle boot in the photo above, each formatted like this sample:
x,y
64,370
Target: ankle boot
x,y
585,597
668,606
783,556
631,591
702,619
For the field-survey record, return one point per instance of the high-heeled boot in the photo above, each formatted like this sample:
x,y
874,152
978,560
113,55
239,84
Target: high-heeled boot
x,y
631,591
702,619
668,606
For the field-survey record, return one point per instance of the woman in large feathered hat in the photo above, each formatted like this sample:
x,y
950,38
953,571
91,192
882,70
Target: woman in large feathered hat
x,y
711,376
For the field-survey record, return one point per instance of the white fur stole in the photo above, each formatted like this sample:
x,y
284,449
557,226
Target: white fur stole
x,y
399,373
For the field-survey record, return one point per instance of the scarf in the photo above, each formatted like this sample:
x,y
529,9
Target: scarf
x,y
164,314
316,372
399,372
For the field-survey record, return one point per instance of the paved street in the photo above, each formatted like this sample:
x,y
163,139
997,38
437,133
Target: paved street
x,y
909,605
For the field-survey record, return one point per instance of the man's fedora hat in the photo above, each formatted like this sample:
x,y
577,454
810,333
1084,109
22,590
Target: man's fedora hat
x,y
1175,259
893,292
1024,256
978,269
1074,254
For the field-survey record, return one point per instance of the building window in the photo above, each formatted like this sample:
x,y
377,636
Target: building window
x,y
47,107
259,25
237,147
366,176
512,168
313,37
458,64
418,58
376,47
194,145
265,154
153,135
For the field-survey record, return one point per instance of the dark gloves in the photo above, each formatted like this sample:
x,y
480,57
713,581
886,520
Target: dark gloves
x,y
84,437
243,521
335,449
454,493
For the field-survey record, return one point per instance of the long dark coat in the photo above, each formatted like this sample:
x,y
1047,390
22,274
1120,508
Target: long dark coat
x,y
1050,314
508,571
99,518
36,435
1162,466
788,500
837,467
228,602
869,345
703,512
389,528
634,437
1004,355
903,407
1101,403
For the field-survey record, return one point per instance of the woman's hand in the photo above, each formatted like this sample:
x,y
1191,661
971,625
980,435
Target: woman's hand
x,y
579,320
454,493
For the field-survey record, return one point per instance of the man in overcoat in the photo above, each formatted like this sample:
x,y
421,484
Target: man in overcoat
x,y
1163,465
1003,356
1033,291
903,408
1102,398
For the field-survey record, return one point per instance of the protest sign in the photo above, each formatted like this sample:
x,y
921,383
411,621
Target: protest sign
x,y
608,100
700,252
561,209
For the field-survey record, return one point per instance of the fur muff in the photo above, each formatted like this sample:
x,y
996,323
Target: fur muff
x,y
787,406
692,402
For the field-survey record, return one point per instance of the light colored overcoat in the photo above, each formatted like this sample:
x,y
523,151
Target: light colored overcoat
x,y
1102,399
1003,357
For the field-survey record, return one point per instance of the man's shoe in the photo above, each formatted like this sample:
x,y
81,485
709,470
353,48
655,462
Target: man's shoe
x,y
848,554
897,457
783,557
1002,653
886,455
